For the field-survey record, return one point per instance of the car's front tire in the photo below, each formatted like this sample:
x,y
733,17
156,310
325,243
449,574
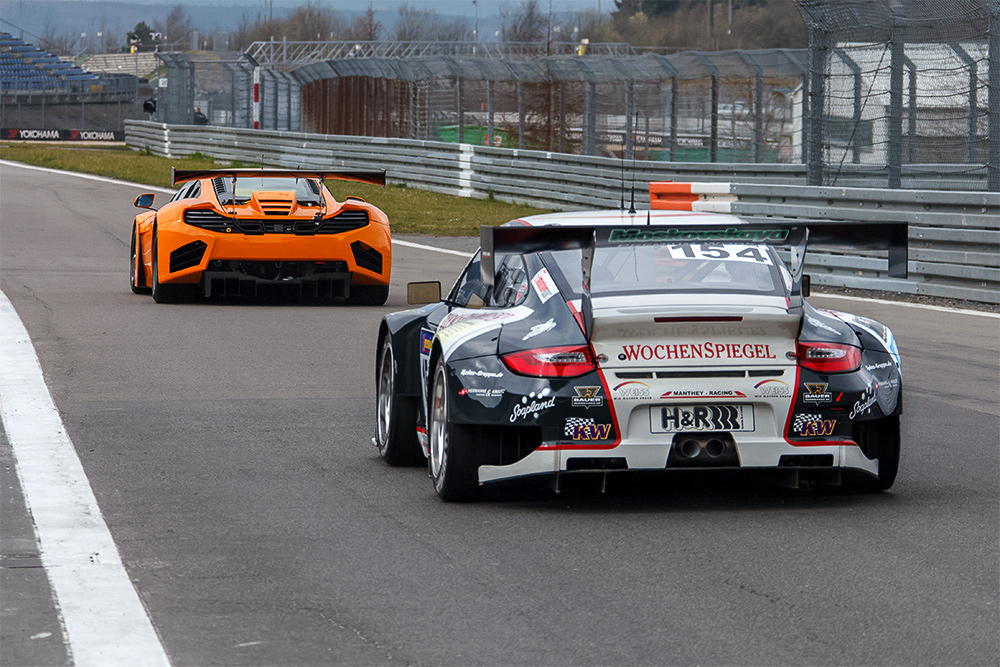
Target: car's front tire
x,y
454,466
162,293
135,267
395,415
368,295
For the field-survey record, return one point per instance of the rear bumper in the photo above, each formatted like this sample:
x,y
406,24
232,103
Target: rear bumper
x,y
559,458
365,255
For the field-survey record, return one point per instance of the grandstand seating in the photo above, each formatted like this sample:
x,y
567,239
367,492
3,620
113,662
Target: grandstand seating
x,y
27,67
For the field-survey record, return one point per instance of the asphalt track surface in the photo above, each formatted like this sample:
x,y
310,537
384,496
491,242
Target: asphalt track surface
x,y
228,447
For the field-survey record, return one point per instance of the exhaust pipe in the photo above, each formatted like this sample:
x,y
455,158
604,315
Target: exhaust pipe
x,y
703,449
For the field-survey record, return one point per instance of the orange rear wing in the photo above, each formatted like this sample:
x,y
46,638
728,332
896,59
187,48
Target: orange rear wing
x,y
374,177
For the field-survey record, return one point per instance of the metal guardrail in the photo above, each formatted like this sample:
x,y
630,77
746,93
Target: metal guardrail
x,y
954,235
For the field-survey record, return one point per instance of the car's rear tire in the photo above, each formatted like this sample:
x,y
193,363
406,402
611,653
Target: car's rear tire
x,y
135,269
368,295
880,442
395,415
163,293
454,464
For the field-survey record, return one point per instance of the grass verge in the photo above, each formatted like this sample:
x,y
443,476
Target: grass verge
x,y
410,211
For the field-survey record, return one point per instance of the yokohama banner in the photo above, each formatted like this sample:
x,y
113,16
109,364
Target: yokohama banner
x,y
62,135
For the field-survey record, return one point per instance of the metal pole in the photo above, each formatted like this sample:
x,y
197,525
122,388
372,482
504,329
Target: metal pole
x,y
629,105
815,94
562,117
993,140
674,89
521,111
911,111
461,111
714,129
489,113
895,158
589,129
973,103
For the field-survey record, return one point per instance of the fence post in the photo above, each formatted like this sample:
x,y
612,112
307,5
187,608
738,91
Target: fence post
x,y
489,113
461,111
629,105
993,142
897,46
816,96
520,114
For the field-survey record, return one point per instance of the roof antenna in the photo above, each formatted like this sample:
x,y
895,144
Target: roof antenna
x,y
631,206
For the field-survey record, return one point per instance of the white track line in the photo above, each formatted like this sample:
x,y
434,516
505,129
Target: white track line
x,y
943,309
106,623
420,246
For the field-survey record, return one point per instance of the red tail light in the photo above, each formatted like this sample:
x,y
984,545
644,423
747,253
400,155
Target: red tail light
x,y
828,357
568,361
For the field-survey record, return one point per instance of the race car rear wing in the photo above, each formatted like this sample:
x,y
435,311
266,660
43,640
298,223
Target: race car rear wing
x,y
890,236
374,177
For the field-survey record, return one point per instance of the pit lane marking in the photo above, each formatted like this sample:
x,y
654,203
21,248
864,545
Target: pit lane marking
x,y
105,621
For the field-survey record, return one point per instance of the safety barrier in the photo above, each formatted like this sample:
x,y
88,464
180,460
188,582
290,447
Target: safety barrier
x,y
954,234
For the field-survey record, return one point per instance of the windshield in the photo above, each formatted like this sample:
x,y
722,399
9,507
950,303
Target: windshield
x,y
306,190
684,267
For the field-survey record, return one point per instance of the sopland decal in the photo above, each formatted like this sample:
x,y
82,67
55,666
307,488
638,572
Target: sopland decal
x,y
865,403
706,350
532,404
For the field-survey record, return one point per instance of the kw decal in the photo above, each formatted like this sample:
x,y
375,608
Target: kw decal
x,y
813,426
591,432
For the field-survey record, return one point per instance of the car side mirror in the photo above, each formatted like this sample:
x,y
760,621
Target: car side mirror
x,y
421,293
145,200
806,285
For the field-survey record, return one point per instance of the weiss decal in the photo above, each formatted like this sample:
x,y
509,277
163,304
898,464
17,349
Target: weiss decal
x,y
530,410
544,285
540,329
698,393
706,350
630,391
772,389
587,397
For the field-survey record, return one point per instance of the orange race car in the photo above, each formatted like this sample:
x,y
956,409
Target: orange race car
x,y
244,232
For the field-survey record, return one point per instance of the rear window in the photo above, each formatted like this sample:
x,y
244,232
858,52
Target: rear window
x,y
683,267
306,190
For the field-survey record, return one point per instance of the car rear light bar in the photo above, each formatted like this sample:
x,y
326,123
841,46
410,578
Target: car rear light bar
x,y
566,361
828,357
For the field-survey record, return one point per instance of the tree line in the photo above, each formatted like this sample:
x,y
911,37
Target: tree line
x,y
661,25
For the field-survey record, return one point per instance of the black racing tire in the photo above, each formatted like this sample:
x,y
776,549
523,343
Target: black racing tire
x,y
881,442
368,295
395,415
454,464
162,293
135,259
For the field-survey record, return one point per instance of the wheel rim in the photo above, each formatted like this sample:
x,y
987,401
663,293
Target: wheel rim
x,y
385,389
439,425
132,271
